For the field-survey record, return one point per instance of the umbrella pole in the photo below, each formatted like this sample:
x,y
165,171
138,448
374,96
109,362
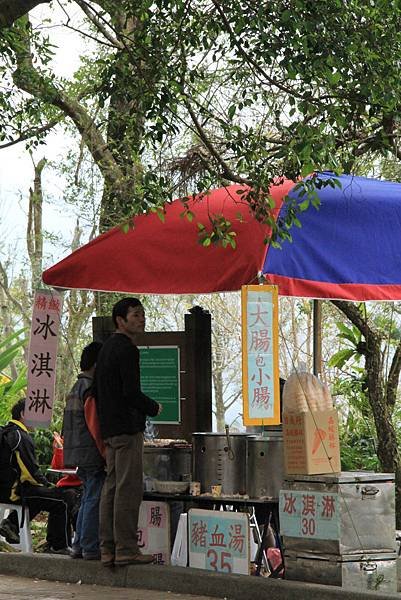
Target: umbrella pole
x,y
317,337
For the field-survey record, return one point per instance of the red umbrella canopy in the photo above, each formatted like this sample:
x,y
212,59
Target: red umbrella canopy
x,y
166,257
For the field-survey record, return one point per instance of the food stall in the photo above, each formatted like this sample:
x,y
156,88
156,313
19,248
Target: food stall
x,y
167,258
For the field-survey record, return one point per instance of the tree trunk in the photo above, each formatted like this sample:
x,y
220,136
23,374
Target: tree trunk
x,y
381,394
219,399
34,231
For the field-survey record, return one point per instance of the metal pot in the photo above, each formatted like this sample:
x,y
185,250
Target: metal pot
x,y
265,472
220,459
167,464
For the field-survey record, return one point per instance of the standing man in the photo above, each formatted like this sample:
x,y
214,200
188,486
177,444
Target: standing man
x,y
122,409
81,450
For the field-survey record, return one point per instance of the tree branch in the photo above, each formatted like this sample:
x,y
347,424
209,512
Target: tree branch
x,y
32,133
251,61
31,81
11,10
352,313
235,397
4,285
226,170
87,9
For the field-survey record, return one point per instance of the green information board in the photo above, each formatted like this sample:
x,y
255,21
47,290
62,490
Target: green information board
x,y
160,379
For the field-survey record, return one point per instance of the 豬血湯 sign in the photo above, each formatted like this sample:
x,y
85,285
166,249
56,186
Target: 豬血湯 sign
x,y
218,541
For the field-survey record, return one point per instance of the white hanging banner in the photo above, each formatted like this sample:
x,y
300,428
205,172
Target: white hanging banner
x,y
42,358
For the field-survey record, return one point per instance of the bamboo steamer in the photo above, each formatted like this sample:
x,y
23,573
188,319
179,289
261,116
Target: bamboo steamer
x,y
303,392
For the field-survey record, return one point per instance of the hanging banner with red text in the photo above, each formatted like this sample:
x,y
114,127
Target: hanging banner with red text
x,y
42,358
218,541
260,372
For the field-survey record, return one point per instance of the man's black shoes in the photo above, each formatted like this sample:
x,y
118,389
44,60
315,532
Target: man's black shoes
x,y
7,530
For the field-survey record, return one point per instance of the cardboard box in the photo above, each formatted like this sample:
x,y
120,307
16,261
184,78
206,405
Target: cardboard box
x,y
311,443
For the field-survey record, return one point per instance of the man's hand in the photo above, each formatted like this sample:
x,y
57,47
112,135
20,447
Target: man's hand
x,y
160,409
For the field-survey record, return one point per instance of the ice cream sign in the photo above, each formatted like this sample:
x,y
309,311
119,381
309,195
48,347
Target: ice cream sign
x,y
306,514
42,358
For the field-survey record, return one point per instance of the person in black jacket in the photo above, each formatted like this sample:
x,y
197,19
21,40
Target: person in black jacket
x,y
80,450
122,409
29,486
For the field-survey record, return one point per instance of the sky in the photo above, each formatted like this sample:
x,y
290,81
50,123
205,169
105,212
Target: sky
x,y
16,167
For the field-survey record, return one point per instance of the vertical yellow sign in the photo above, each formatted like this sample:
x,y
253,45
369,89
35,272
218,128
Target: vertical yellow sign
x,y
260,371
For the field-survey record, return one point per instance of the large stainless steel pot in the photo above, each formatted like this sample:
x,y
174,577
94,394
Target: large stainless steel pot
x,y
220,459
265,473
167,464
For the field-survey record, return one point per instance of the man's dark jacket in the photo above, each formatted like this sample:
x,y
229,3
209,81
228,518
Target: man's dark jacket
x,y
24,467
80,448
122,406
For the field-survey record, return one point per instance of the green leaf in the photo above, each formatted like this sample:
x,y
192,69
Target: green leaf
x,y
7,357
161,215
307,169
340,358
351,334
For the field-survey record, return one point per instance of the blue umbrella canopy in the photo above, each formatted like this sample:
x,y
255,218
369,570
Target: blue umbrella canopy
x,y
350,248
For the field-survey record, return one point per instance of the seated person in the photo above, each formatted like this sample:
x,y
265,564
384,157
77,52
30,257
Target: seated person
x,y
24,483
72,485
70,482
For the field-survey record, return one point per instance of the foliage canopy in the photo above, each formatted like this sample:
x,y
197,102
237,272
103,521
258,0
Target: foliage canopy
x,y
175,97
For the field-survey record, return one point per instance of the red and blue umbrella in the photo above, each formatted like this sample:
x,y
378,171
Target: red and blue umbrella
x,y
349,248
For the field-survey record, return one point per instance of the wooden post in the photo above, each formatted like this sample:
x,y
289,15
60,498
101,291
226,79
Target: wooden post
x,y
199,366
317,337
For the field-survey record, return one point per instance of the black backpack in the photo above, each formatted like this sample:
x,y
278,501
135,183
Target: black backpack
x,y
8,472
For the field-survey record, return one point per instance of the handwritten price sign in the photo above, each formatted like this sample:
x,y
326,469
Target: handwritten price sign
x,y
309,514
219,541
154,530
260,377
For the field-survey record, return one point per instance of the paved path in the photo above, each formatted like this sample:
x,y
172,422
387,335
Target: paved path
x,y
165,583
20,588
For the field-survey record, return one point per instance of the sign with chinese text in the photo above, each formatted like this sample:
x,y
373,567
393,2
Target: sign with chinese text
x,y
42,358
260,374
154,530
160,379
219,541
311,442
312,515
